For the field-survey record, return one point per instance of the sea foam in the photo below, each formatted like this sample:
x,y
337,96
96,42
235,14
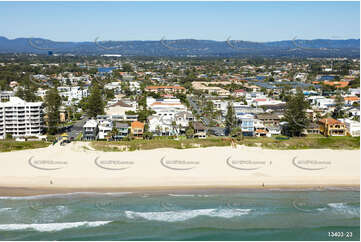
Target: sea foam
x,y
182,215
344,209
48,227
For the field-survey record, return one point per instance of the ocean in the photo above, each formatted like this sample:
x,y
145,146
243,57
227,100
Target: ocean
x,y
273,214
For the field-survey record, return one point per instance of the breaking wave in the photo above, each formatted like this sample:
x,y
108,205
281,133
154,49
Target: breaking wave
x,y
48,227
182,215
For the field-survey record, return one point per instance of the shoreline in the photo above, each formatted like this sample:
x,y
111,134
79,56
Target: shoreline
x,y
38,191
71,168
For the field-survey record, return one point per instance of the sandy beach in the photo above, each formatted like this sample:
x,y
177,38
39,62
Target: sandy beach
x,y
76,167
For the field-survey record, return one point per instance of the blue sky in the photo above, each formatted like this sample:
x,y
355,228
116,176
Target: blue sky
x,y
252,21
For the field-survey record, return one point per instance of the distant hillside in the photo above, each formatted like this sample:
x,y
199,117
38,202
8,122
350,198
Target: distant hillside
x,y
188,47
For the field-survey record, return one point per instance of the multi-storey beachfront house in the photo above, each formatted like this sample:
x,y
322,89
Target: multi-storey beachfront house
x,y
90,130
268,119
352,126
19,118
247,124
122,130
332,127
105,127
137,129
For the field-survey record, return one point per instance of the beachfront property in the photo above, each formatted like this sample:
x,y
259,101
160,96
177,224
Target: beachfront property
x,y
247,124
256,92
332,127
90,130
200,131
19,118
137,129
352,126
269,119
122,130
104,129
312,128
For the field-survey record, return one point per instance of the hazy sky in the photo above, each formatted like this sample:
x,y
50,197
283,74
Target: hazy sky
x,y
253,21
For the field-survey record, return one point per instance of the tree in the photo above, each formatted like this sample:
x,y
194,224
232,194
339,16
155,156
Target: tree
x,y
148,135
109,93
295,114
27,93
230,118
190,132
127,67
114,132
52,104
339,101
174,128
237,132
95,104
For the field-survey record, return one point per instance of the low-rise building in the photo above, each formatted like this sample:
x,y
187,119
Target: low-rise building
x,y
352,126
122,130
90,130
105,127
332,127
247,124
268,119
137,129
165,89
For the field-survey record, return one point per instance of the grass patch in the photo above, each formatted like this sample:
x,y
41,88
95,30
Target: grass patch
x,y
11,145
309,142
158,143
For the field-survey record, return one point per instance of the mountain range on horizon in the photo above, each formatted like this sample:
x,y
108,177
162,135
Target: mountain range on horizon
x,y
187,47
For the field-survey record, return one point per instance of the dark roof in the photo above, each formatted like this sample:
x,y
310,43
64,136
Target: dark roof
x,y
313,126
121,103
121,125
198,126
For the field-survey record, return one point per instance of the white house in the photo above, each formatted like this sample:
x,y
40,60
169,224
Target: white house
x,y
353,127
105,127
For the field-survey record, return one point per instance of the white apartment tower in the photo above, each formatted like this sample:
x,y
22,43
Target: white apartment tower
x,y
20,118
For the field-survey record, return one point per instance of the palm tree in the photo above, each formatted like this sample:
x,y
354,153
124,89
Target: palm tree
x,y
174,128
158,130
114,132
